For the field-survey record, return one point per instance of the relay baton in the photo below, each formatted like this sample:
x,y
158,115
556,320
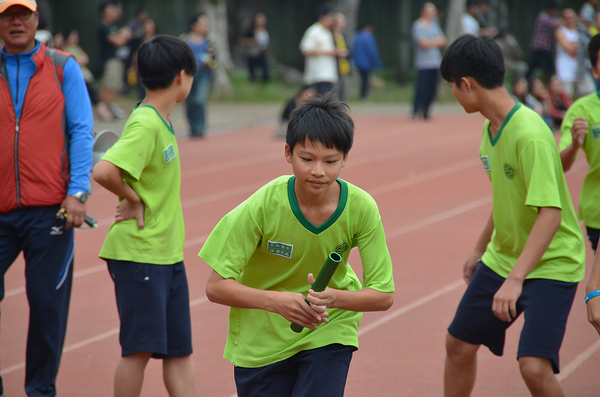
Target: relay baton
x,y
331,264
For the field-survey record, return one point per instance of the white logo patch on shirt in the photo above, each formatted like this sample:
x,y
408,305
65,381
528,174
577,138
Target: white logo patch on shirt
x,y
595,132
281,249
486,163
169,153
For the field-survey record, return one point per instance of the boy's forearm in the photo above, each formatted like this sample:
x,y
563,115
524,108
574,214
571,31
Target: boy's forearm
x,y
231,293
485,237
537,244
363,300
567,157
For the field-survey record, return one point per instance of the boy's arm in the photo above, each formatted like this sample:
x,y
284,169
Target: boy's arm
x,y
109,176
482,243
542,233
593,305
578,132
289,305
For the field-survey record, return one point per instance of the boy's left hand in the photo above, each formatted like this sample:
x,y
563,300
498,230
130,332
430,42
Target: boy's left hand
x,y
128,210
505,300
320,301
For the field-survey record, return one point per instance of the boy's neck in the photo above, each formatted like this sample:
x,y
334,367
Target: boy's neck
x,y
496,104
160,100
318,209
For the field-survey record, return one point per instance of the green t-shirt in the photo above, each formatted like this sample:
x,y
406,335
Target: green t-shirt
x,y
267,243
523,164
589,201
148,155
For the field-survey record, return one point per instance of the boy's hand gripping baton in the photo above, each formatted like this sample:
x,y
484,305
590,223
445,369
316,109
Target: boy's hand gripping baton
x,y
330,266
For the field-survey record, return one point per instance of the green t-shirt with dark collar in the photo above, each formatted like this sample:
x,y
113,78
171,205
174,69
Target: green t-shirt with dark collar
x,y
267,243
148,155
523,163
589,200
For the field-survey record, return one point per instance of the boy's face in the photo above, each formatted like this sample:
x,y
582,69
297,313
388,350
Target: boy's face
x,y
465,95
316,168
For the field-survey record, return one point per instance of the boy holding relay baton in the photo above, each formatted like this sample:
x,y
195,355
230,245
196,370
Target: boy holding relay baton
x,y
263,252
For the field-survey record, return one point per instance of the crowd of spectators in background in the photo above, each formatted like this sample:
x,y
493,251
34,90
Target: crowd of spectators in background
x,y
556,73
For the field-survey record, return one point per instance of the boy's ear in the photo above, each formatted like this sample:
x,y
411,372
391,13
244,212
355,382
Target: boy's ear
x,y
179,77
595,73
467,82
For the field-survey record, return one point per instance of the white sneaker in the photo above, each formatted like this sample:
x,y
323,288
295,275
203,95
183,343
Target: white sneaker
x,y
118,112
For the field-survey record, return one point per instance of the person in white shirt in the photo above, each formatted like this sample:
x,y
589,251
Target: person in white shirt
x,y
320,54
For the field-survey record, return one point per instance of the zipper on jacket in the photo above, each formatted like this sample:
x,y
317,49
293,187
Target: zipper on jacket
x,y
17,164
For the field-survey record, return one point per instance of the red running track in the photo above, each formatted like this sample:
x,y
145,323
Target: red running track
x,y
434,199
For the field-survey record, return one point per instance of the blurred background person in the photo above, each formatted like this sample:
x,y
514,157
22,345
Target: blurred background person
x,y
112,38
429,40
343,85
587,13
542,40
560,100
366,56
572,66
72,47
514,58
539,92
138,32
520,90
320,55
256,43
204,50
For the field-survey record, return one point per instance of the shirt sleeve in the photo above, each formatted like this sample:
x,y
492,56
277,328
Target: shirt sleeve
x,y
232,243
80,122
133,151
538,166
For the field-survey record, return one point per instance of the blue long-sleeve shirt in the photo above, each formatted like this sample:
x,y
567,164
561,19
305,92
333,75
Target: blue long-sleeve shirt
x,y
78,109
365,52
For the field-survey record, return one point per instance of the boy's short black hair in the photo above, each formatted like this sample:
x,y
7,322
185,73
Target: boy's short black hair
x,y
323,119
105,4
161,58
593,48
478,57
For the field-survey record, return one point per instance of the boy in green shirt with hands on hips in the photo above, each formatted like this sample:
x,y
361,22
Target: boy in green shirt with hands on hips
x,y
530,255
265,252
144,246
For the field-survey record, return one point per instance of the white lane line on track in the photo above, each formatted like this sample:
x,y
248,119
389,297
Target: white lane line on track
x,y
578,361
411,306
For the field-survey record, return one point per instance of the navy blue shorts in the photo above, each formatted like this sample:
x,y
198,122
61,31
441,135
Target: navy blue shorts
x,y
593,235
546,304
310,373
154,308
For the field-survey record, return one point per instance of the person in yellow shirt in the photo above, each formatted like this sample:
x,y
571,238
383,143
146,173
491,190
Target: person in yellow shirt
x,y
339,25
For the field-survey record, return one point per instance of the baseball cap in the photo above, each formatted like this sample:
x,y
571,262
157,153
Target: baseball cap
x,y
4,4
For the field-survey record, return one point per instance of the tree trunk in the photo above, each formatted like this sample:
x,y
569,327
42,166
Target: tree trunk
x,y
350,9
456,9
216,11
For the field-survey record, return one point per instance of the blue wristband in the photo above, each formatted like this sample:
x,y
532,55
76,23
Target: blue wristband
x,y
591,295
